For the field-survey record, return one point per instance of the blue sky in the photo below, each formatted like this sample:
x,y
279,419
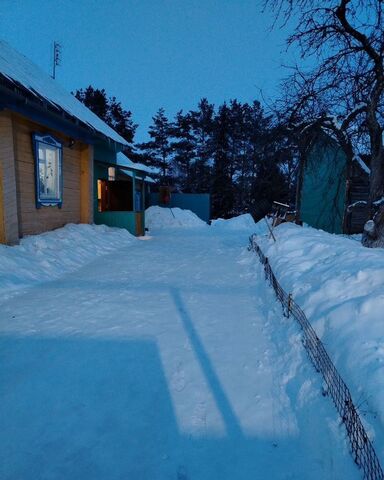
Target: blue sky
x,y
153,53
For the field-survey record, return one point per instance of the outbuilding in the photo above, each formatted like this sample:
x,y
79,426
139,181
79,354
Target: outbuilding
x,y
332,193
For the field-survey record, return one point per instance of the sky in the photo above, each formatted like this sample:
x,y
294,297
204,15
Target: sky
x,y
153,53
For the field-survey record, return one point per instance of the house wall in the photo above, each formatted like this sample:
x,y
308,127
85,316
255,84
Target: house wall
x,y
323,189
77,180
9,226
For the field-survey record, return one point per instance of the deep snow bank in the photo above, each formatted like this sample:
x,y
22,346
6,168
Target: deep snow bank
x,y
46,256
340,286
163,217
241,222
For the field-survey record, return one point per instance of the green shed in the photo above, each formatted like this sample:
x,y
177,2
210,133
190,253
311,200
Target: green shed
x,y
328,187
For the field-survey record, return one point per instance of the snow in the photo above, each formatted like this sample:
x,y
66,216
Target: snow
x,y
241,222
159,218
163,359
47,256
146,178
339,285
359,203
124,161
20,70
362,164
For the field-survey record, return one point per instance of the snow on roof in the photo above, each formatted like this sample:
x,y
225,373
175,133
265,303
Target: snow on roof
x,y
146,178
20,70
124,161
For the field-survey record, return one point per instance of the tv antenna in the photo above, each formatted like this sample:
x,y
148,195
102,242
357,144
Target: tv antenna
x,y
56,57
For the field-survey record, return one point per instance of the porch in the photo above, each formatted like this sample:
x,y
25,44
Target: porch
x,y
121,197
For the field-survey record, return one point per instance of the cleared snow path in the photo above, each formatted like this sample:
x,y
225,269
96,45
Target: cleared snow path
x,y
167,359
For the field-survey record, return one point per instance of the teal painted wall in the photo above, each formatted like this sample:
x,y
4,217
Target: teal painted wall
x,y
324,187
125,220
105,153
199,203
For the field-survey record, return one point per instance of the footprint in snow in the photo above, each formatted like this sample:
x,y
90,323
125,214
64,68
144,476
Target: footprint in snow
x,y
182,473
199,416
178,379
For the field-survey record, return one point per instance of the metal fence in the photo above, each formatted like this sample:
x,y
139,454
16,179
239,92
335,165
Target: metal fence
x,y
362,450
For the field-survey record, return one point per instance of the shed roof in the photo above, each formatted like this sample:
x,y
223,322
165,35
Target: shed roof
x,y
124,161
21,71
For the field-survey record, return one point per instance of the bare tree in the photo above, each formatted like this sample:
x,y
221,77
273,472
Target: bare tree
x,y
340,83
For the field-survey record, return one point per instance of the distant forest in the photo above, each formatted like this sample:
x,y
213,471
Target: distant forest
x,y
236,152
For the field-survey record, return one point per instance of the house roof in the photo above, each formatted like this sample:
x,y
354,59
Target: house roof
x,y
129,173
21,71
124,161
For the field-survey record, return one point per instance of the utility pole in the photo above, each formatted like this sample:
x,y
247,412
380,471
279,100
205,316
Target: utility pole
x,y
56,57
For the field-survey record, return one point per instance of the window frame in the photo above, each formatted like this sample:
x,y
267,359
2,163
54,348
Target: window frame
x,y
50,141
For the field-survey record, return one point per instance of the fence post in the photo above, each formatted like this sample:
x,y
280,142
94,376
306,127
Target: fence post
x,y
289,304
250,246
266,268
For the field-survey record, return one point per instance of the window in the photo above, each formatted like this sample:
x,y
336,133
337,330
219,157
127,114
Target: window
x,y
48,165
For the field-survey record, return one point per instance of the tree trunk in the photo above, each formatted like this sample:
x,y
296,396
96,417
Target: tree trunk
x,y
373,235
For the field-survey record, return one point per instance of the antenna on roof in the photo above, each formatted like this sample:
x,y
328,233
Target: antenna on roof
x,y
56,57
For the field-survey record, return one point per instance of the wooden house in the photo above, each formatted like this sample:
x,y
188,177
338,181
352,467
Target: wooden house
x,y
328,187
48,143
122,189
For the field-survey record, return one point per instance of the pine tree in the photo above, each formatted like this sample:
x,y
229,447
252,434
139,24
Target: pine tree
x,y
157,152
203,120
184,152
222,190
109,110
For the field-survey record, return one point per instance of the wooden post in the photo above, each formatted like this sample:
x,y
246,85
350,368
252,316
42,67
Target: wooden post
x,y
2,222
270,230
86,185
289,304
143,193
9,219
134,191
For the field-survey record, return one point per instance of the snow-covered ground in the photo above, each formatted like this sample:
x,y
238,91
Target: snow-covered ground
x,y
163,359
44,257
160,218
340,286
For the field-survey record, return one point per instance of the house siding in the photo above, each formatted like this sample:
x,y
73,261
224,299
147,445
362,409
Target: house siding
x,y
358,192
16,146
9,227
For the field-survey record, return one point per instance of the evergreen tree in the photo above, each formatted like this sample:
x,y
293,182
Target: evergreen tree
x,y
184,152
202,121
157,152
222,189
109,110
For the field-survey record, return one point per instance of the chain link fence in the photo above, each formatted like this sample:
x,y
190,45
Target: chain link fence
x,y
362,450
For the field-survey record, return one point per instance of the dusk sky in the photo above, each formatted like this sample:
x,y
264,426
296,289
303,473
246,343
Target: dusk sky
x,y
153,53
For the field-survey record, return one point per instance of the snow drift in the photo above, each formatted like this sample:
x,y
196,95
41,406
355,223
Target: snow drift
x,y
340,286
160,217
241,222
47,256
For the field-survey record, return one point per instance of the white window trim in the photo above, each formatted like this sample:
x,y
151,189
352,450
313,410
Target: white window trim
x,y
51,142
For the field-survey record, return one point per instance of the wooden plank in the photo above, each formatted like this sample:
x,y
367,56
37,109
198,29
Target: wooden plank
x,y
32,219
9,231
86,185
